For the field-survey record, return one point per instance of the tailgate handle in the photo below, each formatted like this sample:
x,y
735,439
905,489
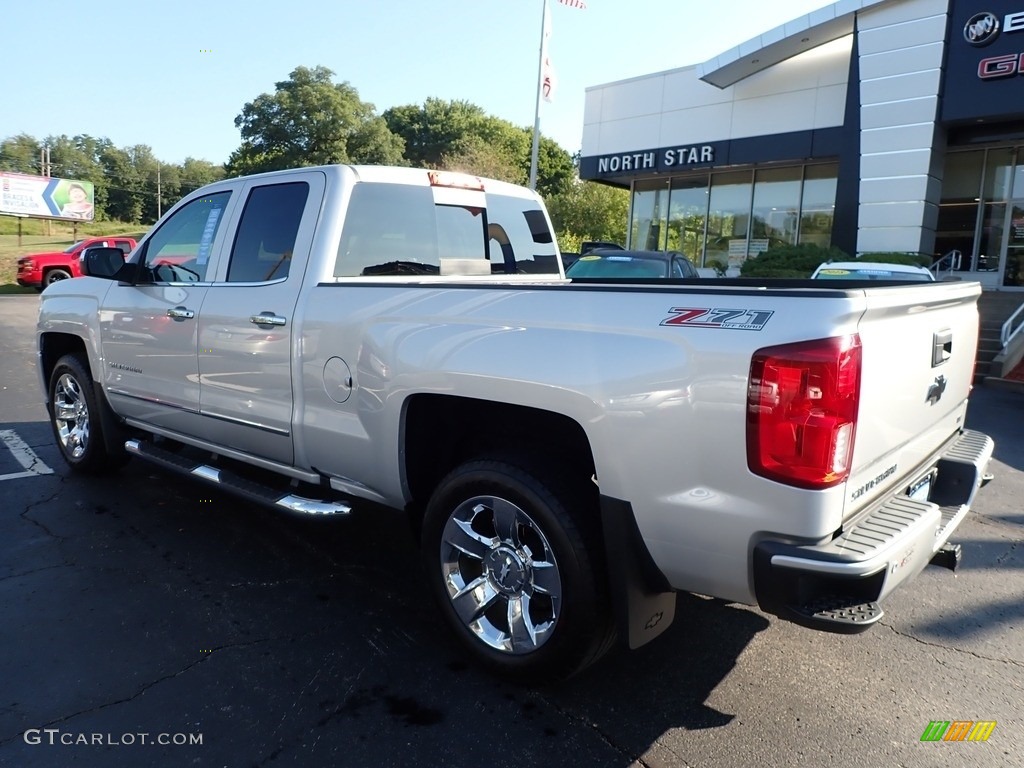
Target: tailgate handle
x,y
942,347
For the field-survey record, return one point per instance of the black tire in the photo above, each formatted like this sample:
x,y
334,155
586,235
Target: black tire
x,y
533,550
77,420
55,275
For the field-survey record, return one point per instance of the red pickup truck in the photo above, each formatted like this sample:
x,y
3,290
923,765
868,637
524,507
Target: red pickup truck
x,y
38,270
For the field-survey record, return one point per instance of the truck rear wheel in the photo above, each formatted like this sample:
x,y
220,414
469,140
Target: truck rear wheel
x,y
54,275
514,573
76,420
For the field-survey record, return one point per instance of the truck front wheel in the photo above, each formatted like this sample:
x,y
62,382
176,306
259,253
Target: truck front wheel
x,y
75,419
514,571
54,275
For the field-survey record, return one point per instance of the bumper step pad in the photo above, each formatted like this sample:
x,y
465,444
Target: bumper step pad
x,y
837,614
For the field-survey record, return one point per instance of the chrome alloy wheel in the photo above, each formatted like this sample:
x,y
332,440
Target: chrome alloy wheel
x,y
501,574
71,415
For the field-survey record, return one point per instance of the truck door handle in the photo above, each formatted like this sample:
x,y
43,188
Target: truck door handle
x,y
267,318
181,313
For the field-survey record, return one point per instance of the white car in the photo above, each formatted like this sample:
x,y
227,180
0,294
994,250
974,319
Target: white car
x,y
872,270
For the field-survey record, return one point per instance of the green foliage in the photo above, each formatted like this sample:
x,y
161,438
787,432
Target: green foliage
x,y
125,179
570,242
893,257
790,261
457,135
586,210
20,154
718,265
310,120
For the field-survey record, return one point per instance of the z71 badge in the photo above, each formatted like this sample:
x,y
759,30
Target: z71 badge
x,y
734,319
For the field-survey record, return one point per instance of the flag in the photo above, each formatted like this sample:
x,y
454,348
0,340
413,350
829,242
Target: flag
x,y
547,72
574,4
549,82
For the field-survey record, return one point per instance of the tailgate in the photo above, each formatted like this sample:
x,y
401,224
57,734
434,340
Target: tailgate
x,y
919,346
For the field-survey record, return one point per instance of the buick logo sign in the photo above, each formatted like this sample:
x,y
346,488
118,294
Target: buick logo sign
x,y
981,29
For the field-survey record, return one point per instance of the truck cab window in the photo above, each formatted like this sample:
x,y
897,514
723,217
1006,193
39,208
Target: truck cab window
x,y
389,231
180,251
527,245
266,235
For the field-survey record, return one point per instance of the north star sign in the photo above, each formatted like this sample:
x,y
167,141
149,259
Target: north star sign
x,y
656,159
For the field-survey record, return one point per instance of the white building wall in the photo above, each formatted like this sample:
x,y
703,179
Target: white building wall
x,y
900,58
677,108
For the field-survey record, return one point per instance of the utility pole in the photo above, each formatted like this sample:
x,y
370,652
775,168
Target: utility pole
x,y
158,209
44,162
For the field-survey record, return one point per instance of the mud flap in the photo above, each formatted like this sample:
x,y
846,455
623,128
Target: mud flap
x,y
642,599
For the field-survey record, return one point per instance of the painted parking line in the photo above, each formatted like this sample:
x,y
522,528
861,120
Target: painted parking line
x,y
23,455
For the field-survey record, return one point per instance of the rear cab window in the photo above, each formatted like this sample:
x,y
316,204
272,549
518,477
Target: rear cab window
x,y
398,230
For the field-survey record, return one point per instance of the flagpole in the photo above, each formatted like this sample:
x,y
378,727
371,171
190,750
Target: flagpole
x,y
536,113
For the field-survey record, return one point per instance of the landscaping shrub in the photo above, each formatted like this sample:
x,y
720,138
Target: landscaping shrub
x,y
790,261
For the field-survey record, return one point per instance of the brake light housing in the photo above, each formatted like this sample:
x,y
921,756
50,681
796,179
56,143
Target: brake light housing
x,y
802,405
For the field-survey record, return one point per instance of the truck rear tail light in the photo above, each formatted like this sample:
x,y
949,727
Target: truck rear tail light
x,y
802,406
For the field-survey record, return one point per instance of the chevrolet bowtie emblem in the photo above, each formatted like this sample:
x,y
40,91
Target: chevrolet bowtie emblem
x,y
936,389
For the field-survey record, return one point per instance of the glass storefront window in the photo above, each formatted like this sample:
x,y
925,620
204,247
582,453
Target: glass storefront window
x,y
991,243
729,218
734,215
1018,177
819,204
687,216
650,212
776,209
998,172
958,209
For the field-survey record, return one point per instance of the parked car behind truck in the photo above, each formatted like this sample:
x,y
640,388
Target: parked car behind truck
x,y
38,270
571,454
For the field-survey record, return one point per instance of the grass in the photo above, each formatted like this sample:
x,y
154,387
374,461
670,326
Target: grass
x,y
36,238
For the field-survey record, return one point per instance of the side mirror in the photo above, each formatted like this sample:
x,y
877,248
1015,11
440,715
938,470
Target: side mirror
x,y
102,262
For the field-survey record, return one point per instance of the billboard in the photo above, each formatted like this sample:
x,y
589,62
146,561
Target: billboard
x,y
46,196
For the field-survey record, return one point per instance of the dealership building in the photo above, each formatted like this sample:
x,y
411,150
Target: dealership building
x,y
871,125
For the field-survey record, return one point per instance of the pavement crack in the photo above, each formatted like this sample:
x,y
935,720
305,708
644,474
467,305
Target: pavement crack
x,y
593,727
38,523
1003,557
982,657
148,686
35,570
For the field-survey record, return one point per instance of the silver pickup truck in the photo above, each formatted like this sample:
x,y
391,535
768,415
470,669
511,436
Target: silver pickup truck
x,y
571,452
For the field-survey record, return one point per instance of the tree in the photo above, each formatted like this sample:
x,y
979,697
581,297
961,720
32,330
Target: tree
x,y
123,183
20,154
586,210
460,135
310,120
199,173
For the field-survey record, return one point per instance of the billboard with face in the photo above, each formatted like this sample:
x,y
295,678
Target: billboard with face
x,y
46,197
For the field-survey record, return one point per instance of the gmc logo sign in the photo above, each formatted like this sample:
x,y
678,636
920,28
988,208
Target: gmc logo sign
x,y
1001,66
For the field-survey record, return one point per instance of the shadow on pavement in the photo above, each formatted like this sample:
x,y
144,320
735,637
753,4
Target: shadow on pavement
x,y
142,602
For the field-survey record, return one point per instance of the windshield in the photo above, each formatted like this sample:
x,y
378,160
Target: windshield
x,y
872,274
72,247
615,266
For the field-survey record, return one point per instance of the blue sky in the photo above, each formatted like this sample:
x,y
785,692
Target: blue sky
x,y
139,72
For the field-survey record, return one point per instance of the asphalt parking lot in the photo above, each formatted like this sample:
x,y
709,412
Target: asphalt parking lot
x,y
141,608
